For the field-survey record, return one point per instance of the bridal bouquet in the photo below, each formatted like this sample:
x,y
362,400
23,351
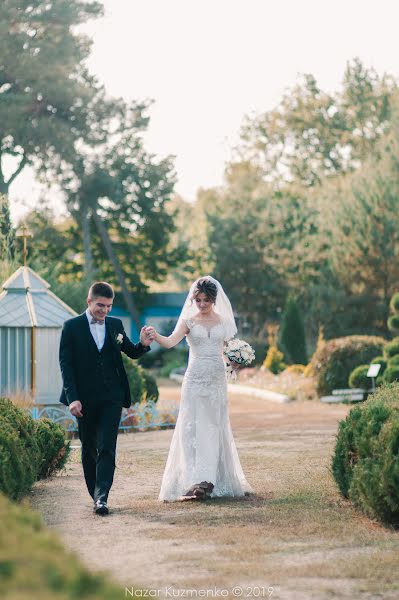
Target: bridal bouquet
x,y
237,351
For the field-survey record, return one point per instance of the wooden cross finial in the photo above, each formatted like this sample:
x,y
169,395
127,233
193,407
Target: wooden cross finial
x,y
25,234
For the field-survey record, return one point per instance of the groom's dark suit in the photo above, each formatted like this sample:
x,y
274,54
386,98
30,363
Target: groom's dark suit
x,y
98,379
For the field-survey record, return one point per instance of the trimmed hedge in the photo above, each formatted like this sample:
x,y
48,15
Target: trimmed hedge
x,y
393,320
50,438
135,379
358,378
34,564
391,374
380,360
393,323
392,348
150,385
334,361
394,304
365,464
143,385
394,361
29,449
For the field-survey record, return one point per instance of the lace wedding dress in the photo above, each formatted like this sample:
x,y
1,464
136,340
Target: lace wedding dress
x,y
203,447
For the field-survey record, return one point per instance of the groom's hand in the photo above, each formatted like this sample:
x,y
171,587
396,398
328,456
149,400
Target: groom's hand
x,y
147,335
75,408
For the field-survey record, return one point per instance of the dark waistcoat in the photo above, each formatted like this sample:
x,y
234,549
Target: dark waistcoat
x,y
107,380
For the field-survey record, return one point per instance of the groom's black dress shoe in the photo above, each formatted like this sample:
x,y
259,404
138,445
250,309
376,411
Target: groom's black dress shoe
x,y
100,508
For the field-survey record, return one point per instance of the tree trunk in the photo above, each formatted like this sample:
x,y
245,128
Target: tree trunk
x,y
3,184
118,271
88,268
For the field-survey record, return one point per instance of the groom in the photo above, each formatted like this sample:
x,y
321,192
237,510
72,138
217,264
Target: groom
x,y
95,385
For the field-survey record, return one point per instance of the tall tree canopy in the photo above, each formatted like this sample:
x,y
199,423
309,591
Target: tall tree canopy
x,y
46,90
312,134
119,193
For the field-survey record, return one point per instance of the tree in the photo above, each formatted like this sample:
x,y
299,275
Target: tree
x,y
119,194
242,249
292,333
122,193
311,134
190,219
366,240
46,91
7,233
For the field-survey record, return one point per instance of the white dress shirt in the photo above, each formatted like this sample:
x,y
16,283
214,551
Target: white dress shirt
x,y
97,330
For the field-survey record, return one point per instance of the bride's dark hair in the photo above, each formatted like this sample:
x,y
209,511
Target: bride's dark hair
x,y
207,287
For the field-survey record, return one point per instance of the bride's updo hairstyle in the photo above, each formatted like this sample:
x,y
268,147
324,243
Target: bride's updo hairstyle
x,y
207,287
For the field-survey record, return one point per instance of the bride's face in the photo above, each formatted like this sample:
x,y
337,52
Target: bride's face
x,y
204,304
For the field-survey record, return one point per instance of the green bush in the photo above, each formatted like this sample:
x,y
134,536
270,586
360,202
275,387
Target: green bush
x,y
19,451
34,563
346,452
394,361
173,359
392,348
394,304
51,441
393,323
358,378
29,449
335,360
260,347
366,458
391,374
292,340
274,360
152,359
150,386
161,357
17,472
143,385
135,379
393,320
166,370
380,360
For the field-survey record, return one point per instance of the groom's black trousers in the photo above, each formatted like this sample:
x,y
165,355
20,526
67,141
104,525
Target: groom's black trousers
x,y
98,431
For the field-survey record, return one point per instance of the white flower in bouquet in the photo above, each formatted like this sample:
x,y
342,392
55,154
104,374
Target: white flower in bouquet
x,y
239,352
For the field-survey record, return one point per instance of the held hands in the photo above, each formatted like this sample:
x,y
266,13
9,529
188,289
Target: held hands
x,y
75,408
147,335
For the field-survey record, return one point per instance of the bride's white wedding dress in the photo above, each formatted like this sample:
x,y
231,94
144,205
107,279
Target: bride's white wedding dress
x,y
203,447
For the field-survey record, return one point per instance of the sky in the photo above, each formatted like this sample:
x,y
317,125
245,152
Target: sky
x,y
207,64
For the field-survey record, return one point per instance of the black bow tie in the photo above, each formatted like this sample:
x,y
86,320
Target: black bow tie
x,y
93,321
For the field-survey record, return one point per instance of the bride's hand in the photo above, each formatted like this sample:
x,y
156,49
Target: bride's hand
x,y
151,332
147,335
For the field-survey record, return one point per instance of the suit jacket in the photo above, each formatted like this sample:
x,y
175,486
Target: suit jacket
x,y
78,355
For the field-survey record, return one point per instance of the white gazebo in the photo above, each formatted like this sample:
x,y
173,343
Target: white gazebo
x,y
31,319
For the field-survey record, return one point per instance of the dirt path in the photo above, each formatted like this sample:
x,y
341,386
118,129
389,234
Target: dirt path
x,y
295,535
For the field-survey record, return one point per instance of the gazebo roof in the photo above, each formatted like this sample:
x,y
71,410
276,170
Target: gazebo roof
x,y
26,301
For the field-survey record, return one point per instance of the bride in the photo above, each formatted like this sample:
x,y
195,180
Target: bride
x,y
203,460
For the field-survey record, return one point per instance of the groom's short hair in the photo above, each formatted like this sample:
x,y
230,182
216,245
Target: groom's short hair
x,y
101,289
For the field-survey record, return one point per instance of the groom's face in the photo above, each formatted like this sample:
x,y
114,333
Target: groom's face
x,y
99,306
